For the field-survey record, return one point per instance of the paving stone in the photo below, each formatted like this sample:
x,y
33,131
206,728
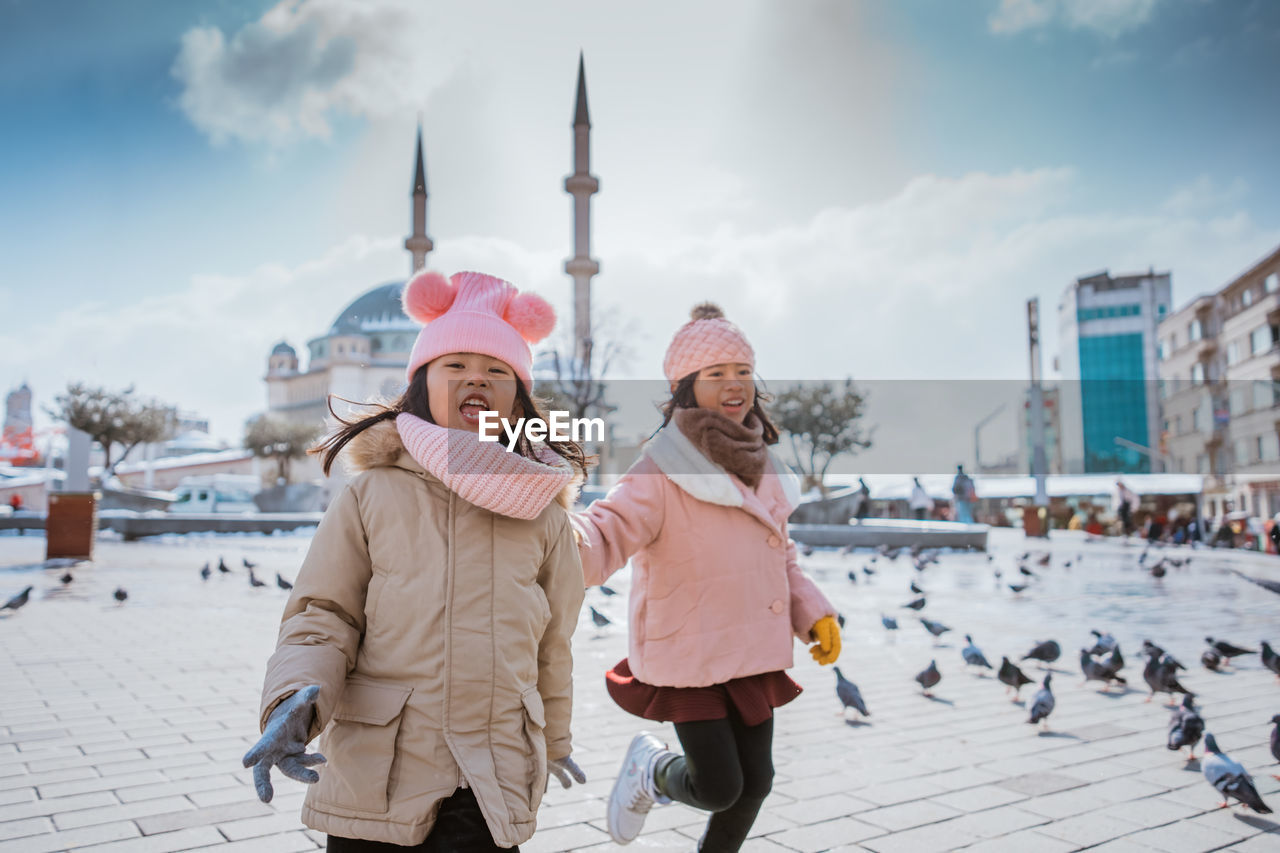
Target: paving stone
x,y
169,842
821,836
1036,784
1022,842
1183,837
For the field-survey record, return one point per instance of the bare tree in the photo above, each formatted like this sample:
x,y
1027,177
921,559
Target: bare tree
x,y
822,421
112,418
275,438
575,385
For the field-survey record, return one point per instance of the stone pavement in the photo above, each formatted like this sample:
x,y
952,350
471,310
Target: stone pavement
x,y
122,726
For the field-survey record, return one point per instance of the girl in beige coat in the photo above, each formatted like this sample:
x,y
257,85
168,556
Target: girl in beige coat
x,y
427,638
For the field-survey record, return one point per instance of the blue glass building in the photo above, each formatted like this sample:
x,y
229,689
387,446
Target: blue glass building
x,y
1107,361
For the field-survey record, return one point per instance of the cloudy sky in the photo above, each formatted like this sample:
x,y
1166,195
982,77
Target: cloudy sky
x,y
869,188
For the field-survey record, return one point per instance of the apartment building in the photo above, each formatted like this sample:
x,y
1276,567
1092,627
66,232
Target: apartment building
x,y
1219,366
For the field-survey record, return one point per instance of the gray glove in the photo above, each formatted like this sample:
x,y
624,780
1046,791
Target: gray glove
x,y
284,744
563,768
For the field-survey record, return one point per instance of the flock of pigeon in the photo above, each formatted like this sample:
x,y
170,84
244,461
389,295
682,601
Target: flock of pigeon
x,y
1102,661
121,595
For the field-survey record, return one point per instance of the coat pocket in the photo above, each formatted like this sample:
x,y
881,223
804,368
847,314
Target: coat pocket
x,y
361,746
535,723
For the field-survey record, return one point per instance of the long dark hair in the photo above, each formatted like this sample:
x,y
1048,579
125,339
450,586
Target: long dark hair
x,y
683,398
414,401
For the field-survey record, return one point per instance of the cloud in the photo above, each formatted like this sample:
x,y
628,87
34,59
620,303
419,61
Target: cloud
x,y
928,283
305,63
1110,18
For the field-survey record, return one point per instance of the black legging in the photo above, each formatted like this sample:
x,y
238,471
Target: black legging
x,y
727,769
459,828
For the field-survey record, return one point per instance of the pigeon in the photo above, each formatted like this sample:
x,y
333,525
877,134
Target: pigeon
x,y
999,574
222,567
1042,704
846,550
1149,647
1211,660
1027,572
888,622
1103,643
937,629
917,590
853,576
1044,558
1046,652
1270,659
1098,670
806,550
1017,587
19,600
120,594
282,583
599,618
1275,741
247,564
1186,726
1114,661
1012,677
1230,778
918,604
609,592
850,696
973,655
253,580
929,677
1158,570
1161,676
1067,564
67,579
840,619
1227,650
868,571
205,572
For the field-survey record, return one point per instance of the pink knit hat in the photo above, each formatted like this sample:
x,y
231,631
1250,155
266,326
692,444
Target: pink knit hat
x,y
474,312
707,339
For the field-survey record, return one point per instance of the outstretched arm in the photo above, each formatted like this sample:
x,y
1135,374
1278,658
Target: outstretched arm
x,y
621,523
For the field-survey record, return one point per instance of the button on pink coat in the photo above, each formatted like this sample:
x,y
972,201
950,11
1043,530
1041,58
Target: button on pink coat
x,y
716,592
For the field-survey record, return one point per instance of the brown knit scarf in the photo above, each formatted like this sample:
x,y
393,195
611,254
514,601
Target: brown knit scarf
x,y
736,447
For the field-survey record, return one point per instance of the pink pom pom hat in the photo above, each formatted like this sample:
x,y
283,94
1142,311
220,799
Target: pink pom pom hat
x,y
708,338
474,312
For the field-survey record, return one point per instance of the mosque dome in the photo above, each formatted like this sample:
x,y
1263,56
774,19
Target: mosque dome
x,y
283,348
376,310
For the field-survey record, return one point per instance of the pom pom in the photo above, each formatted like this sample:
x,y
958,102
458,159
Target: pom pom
x,y
532,316
706,311
427,296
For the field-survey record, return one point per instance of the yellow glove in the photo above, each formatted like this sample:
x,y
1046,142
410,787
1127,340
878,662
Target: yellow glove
x,y
826,635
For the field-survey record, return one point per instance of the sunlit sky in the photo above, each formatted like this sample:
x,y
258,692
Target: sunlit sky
x,y
870,189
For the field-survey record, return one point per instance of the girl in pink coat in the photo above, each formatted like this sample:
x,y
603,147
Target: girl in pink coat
x,y
716,594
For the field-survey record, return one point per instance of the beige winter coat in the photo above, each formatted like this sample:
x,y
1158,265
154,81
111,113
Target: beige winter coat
x,y
439,635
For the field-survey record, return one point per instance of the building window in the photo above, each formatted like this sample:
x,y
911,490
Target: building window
x,y
1194,331
1237,402
1242,452
1161,310
1202,464
1246,298
1233,353
1197,373
1272,283
1260,340
1269,447
1263,395
1177,425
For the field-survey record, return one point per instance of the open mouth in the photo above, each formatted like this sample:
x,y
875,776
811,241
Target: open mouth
x,y
733,406
471,407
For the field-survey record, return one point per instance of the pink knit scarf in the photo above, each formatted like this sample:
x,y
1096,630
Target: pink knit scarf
x,y
483,473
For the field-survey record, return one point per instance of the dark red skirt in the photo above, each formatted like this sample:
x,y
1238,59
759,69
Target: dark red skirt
x,y
753,697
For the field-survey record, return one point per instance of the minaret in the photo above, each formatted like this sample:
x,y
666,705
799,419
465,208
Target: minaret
x,y
418,242
582,185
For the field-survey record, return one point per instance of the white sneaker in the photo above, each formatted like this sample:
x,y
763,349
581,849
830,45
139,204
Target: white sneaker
x,y
635,792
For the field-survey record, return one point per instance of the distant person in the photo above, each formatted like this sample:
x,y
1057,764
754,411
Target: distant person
x,y
964,493
1274,533
920,502
15,502
864,500
1125,503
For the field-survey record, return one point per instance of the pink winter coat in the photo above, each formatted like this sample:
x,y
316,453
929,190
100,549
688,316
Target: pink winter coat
x,y
716,592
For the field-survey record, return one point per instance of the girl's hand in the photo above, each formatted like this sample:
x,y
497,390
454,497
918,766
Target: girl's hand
x,y
826,636
563,768
284,744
